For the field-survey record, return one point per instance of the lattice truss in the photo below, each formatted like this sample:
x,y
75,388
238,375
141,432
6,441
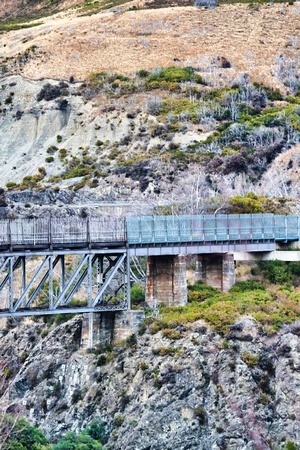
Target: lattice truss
x,y
52,284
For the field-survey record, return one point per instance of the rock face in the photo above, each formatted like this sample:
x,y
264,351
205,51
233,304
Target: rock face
x,y
198,392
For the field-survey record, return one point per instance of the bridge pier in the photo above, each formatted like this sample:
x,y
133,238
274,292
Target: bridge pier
x,y
216,270
109,327
166,280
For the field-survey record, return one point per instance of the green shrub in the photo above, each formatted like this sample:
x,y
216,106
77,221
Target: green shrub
x,y
52,149
97,430
264,399
49,159
144,366
58,138
280,272
81,442
24,356
249,359
22,436
165,351
200,413
154,328
11,186
102,360
172,74
171,334
137,294
62,153
250,285
118,420
290,446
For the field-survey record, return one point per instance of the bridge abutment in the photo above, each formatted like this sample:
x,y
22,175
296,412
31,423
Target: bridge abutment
x,y
166,280
216,270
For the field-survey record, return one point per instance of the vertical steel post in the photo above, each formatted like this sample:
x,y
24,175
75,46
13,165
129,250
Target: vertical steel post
x,y
127,278
50,282
100,277
62,275
89,269
11,284
23,263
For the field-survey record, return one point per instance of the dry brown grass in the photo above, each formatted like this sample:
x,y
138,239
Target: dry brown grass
x,y
248,37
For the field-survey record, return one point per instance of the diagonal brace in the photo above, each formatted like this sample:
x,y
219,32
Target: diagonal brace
x,y
41,284
4,265
70,282
77,285
23,296
16,263
108,279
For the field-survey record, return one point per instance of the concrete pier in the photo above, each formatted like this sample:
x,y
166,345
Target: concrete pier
x,y
166,280
109,327
216,270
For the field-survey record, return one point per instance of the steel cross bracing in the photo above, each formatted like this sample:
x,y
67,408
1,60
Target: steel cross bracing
x,y
39,284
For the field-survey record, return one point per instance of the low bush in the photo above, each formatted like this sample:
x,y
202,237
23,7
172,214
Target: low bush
x,y
249,359
250,285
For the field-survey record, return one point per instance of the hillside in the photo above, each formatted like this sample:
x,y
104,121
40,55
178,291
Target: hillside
x,y
71,44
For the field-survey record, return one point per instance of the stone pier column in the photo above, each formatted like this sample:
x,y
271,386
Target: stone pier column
x,y
109,327
166,280
216,270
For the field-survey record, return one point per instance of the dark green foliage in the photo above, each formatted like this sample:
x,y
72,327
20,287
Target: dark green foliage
x,y
52,149
250,285
73,442
280,272
290,446
137,294
97,431
131,341
200,292
142,73
119,420
24,436
173,74
272,94
200,413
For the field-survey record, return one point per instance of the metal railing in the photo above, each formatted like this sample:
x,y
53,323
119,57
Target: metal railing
x,y
61,231
148,230
208,228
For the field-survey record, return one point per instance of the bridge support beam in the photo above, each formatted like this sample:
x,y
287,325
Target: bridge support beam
x,y
216,270
166,280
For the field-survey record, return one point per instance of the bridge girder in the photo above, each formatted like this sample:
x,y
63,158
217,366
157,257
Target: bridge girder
x,y
103,276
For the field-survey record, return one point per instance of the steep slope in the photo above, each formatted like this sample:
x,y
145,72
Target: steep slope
x,y
192,393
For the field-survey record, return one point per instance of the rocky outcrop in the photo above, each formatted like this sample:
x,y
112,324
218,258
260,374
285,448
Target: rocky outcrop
x,y
198,392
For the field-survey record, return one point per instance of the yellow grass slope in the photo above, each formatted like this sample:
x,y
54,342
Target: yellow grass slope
x,y
249,37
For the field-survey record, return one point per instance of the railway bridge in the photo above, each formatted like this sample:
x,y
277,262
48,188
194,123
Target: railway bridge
x,y
62,257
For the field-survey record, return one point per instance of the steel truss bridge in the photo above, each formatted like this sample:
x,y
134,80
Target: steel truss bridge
x,y
45,262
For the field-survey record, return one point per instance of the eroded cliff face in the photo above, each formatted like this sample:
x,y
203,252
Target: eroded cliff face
x,y
62,143
197,392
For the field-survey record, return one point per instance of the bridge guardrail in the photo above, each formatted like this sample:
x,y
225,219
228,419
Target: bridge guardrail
x,y
148,230
208,228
